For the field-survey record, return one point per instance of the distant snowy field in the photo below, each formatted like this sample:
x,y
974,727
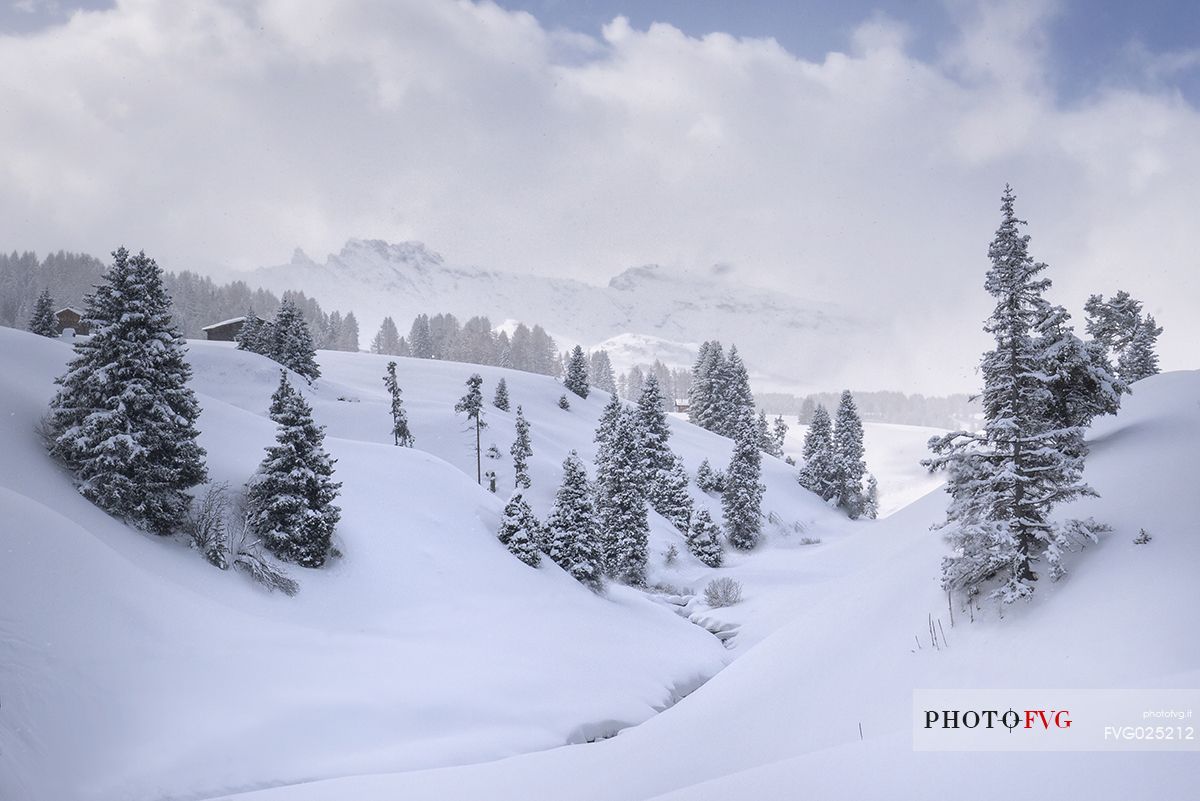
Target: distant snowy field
x,y
428,663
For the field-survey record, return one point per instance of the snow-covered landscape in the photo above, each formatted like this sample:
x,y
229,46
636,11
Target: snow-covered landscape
x,y
661,402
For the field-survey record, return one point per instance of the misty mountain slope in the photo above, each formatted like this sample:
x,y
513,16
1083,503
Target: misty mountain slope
x,y
784,338
782,721
141,672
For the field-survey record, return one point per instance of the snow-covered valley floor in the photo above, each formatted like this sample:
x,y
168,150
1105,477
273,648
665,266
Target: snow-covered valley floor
x,y
430,663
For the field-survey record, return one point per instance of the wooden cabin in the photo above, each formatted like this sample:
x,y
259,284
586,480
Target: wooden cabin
x,y
72,319
224,331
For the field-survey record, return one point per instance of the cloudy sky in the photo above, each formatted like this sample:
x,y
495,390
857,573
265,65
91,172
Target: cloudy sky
x,y
854,155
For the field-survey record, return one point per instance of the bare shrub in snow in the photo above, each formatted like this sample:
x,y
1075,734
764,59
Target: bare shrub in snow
x,y
217,527
724,591
207,526
810,540
248,556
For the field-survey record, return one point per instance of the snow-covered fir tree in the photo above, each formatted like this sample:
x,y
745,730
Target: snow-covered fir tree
x,y
43,322
348,338
709,479
621,502
521,450
520,530
848,464
575,378
742,500
571,527
709,363
124,419
291,344
764,432
1082,382
655,430
779,430
733,398
420,338
500,399
387,339
871,498
1005,481
818,472
602,375
605,430
400,433
703,540
471,404
1128,337
671,498
254,335
1140,360
563,403
291,497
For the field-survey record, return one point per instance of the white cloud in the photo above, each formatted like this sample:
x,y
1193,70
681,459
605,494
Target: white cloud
x,y
226,133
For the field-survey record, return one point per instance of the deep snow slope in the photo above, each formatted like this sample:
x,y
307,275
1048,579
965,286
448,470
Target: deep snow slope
x,y
130,669
782,721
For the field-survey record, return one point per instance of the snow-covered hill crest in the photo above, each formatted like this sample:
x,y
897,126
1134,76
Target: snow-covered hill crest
x,y
780,335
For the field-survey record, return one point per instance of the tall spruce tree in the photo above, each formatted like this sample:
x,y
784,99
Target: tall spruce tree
x,y
291,343
1139,360
703,396
576,376
348,340
420,338
43,322
1082,382
621,502
871,498
521,450
520,530
500,399
602,375
848,464
742,499
671,499
818,472
387,339
1005,481
400,433
291,497
124,419
605,430
572,529
254,335
703,540
471,404
779,430
764,432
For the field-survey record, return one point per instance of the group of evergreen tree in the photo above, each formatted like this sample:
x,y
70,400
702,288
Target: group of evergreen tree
x,y
196,301
442,337
286,340
1126,336
720,396
123,421
674,383
1041,387
833,461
